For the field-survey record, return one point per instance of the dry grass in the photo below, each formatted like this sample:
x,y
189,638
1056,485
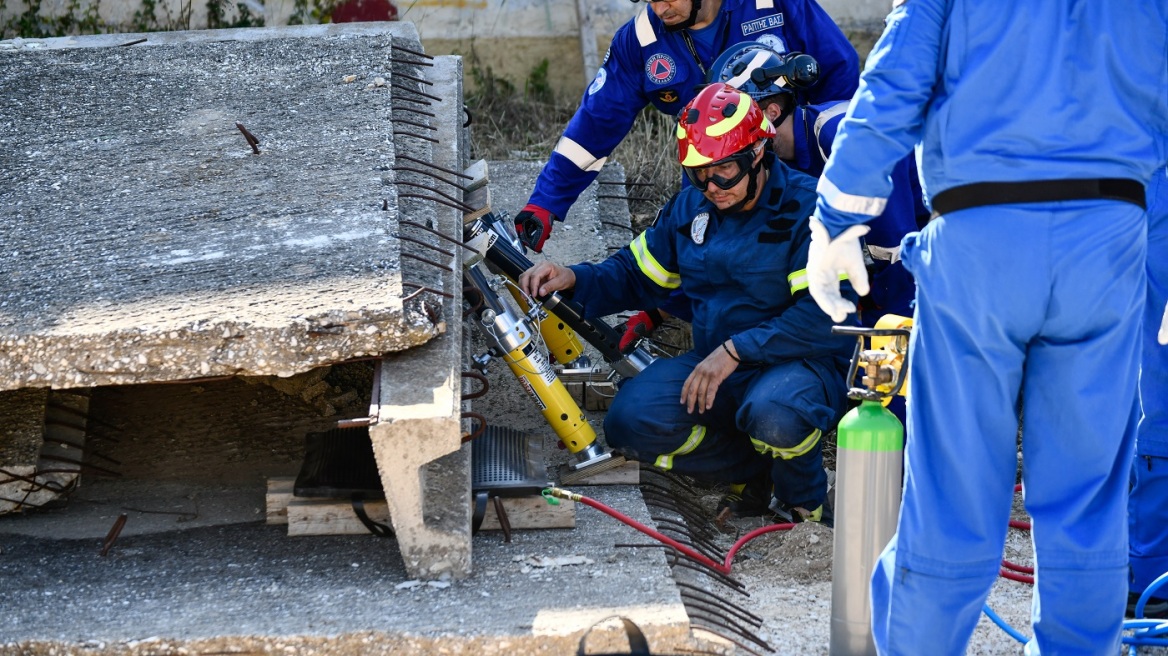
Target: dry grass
x,y
508,124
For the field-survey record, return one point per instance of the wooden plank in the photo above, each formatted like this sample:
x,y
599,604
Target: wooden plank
x,y
278,497
335,516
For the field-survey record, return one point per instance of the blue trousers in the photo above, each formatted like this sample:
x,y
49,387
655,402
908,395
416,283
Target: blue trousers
x,y
783,406
1045,300
1148,507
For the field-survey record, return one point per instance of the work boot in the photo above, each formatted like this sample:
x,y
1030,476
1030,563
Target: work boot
x,y
750,499
797,514
1156,608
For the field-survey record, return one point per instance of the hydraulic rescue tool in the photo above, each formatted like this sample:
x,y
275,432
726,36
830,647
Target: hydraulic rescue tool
x,y
869,467
511,329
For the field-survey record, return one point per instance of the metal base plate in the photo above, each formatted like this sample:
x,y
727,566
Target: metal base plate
x,y
508,462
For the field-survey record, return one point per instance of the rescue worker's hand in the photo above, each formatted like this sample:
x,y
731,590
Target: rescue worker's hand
x,y
827,258
546,277
638,326
534,225
1163,336
701,387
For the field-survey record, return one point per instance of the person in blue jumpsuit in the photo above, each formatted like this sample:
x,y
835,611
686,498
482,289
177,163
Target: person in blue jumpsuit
x,y
661,57
766,376
1038,127
803,140
1148,505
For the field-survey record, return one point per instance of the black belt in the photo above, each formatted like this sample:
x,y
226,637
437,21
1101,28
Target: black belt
x,y
1038,191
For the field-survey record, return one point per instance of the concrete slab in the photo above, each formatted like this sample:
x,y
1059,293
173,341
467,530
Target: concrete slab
x,y
145,241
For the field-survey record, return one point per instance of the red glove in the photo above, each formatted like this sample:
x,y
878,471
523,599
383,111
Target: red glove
x,y
534,225
638,326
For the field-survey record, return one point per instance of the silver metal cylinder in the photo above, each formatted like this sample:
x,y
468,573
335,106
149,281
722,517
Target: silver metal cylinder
x,y
869,467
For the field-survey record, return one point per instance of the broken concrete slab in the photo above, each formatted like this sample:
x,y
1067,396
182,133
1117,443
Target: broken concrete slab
x,y
146,241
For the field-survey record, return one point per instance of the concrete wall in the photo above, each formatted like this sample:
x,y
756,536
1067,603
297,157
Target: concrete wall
x,y
511,37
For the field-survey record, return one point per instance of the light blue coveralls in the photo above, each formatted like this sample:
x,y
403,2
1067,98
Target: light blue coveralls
x,y
1045,299
1148,507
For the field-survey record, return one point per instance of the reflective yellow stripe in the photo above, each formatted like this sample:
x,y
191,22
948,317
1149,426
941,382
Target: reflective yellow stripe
x,y
665,461
786,453
694,158
798,280
651,267
725,125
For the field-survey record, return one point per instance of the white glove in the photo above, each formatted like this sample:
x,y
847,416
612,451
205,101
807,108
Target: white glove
x,y
827,258
1163,336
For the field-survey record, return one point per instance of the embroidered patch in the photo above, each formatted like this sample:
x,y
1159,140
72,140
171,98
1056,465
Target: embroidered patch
x,y
774,42
661,69
667,96
598,81
697,229
760,24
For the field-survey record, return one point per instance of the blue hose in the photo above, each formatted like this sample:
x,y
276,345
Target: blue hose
x,y
1145,632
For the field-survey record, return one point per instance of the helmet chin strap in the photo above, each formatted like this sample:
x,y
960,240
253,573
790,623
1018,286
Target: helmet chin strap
x,y
751,190
688,22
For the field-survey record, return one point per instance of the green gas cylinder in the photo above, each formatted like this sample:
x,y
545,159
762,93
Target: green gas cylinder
x,y
869,468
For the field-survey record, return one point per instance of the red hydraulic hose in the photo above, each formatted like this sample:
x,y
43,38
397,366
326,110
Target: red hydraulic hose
x,y
1012,571
723,568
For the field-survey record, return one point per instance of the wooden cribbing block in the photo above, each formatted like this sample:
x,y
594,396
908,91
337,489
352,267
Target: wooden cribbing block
x,y
306,516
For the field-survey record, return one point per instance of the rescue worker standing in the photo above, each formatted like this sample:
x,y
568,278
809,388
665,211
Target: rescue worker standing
x,y
766,376
1030,280
661,58
1148,506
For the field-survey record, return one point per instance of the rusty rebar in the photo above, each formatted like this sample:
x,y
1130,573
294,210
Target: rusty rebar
x,y
251,139
720,608
501,515
433,165
397,46
440,201
132,43
419,80
423,288
633,198
416,124
723,636
423,137
405,183
413,100
113,534
619,225
481,391
420,93
415,111
426,261
426,244
421,226
729,626
482,422
683,584
430,175
412,63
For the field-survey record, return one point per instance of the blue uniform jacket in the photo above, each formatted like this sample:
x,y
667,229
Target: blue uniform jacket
x,y
997,113
745,273
645,64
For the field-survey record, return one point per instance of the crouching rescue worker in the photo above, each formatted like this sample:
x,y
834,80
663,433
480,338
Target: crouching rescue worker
x,y
765,378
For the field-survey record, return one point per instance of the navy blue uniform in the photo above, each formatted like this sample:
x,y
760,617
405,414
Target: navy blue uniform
x,y
745,274
892,287
647,65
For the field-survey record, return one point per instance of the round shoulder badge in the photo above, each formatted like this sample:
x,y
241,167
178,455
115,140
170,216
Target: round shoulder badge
x,y
697,229
774,42
598,81
661,68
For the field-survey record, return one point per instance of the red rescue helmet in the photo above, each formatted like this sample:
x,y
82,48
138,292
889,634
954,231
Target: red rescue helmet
x,y
718,123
